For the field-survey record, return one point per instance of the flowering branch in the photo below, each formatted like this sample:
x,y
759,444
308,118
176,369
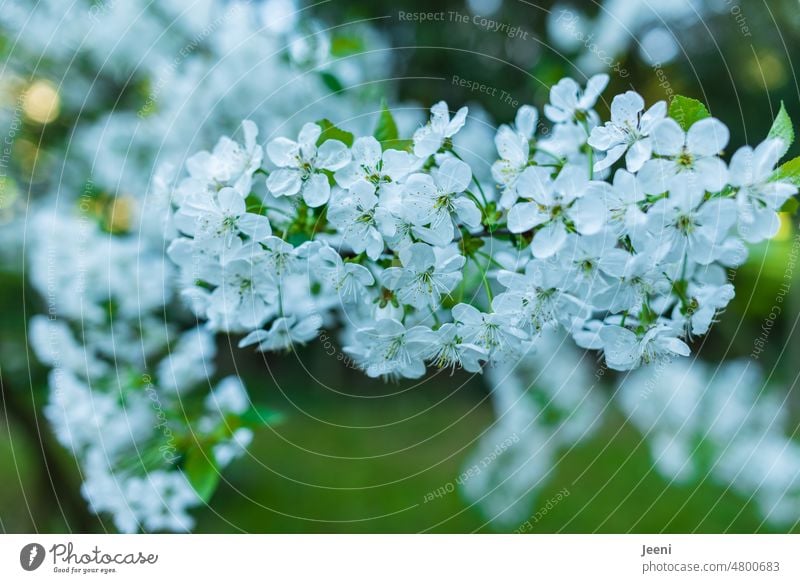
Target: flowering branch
x,y
623,241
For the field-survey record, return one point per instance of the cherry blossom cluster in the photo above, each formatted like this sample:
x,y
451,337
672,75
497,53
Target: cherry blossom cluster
x,y
731,414
134,393
132,397
618,232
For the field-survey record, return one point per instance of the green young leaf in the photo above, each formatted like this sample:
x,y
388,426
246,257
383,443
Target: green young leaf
x,y
258,415
255,205
782,128
331,132
344,46
686,111
202,471
331,81
790,206
789,171
386,129
398,144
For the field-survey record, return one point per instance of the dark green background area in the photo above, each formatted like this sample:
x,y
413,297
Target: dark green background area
x,y
282,487
742,79
315,472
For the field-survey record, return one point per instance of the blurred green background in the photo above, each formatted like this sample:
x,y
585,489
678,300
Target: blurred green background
x,y
415,438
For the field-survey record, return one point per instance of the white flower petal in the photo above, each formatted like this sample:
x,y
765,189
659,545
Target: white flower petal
x,y
332,155
511,146
524,216
231,202
316,190
656,176
549,239
668,138
458,121
526,120
453,176
594,87
611,156
626,108
639,153
426,142
767,155
284,182
762,224
621,347
712,173
256,227
283,152
467,211
656,113
309,134
589,215
707,137
606,136
367,151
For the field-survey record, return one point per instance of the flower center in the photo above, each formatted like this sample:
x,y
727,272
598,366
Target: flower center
x,y
685,224
229,223
685,159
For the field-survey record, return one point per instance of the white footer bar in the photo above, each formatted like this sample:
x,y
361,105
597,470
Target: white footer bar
x,y
390,558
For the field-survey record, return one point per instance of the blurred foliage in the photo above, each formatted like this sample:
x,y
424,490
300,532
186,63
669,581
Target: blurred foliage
x,y
733,74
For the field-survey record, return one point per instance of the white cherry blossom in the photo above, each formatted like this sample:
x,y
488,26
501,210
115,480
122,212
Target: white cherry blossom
x,y
492,332
705,301
349,280
431,137
568,102
448,350
301,165
624,199
513,146
689,225
424,278
554,205
435,200
243,299
635,277
229,164
216,221
357,215
648,270
625,350
534,301
691,155
389,349
628,132
377,166
285,332
757,194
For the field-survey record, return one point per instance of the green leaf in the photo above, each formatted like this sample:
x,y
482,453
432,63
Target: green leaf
x,y
344,46
782,128
332,82
789,171
255,204
398,144
386,129
790,206
470,245
258,415
202,472
331,132
686,111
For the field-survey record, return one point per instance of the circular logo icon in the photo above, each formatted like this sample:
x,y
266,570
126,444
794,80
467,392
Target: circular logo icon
x,y
31,556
